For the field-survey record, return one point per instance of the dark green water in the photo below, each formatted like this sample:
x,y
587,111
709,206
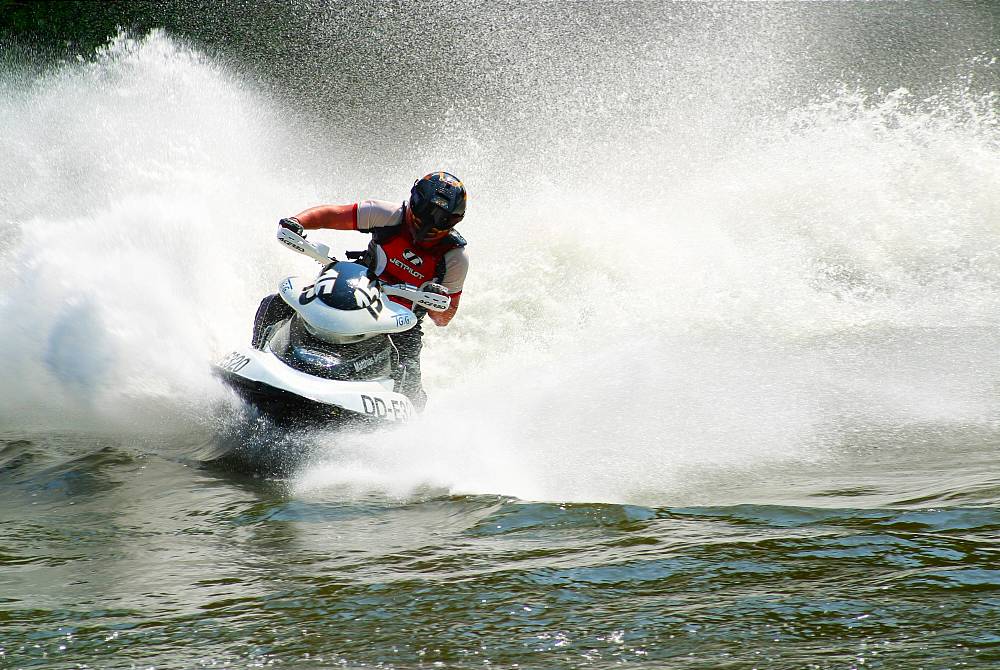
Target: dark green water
x,y
112,557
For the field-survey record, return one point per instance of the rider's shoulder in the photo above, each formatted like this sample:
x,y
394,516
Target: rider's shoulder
x,y
456,239
379,214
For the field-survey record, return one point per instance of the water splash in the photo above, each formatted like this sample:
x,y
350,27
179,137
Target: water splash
x,y
655,322
835,274
128,264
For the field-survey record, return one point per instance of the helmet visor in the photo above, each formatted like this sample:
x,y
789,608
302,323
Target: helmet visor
x,y
432,221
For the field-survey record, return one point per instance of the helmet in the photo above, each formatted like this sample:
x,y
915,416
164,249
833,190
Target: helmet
x,y
437,202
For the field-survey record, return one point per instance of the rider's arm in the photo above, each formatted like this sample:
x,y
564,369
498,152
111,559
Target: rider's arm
x,y
363,216
338,217
456,268
442,318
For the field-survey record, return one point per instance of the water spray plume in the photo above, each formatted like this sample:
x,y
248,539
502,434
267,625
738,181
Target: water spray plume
x,y
694,295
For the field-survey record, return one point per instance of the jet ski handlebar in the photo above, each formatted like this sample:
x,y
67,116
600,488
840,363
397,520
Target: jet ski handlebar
x,y
320,253
435,302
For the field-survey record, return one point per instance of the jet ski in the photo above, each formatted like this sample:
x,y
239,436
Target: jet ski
x,y
322,352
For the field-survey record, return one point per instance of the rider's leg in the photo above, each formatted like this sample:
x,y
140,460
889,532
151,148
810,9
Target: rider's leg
x,y
409,343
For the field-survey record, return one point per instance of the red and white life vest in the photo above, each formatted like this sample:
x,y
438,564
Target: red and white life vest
x,y
396,258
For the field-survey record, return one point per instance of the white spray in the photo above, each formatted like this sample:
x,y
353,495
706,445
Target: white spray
x,y
831,266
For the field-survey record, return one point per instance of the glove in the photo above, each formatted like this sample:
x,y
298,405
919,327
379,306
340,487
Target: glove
x,y
431,287
292,224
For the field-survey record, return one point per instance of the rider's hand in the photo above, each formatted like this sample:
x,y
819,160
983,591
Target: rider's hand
x,y
431,287
292,224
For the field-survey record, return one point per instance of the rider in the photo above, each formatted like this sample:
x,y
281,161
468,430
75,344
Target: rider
x,y
414,243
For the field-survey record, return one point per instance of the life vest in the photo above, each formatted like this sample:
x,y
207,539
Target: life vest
x,y
394,257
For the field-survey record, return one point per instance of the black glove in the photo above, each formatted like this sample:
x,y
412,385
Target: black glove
x,y
292,224
431,287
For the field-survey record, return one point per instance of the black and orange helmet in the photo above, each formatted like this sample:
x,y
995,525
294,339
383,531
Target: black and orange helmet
x,y
437,201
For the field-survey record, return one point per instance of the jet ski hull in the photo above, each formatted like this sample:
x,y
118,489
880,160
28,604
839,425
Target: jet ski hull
x,y
286,408
290,397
